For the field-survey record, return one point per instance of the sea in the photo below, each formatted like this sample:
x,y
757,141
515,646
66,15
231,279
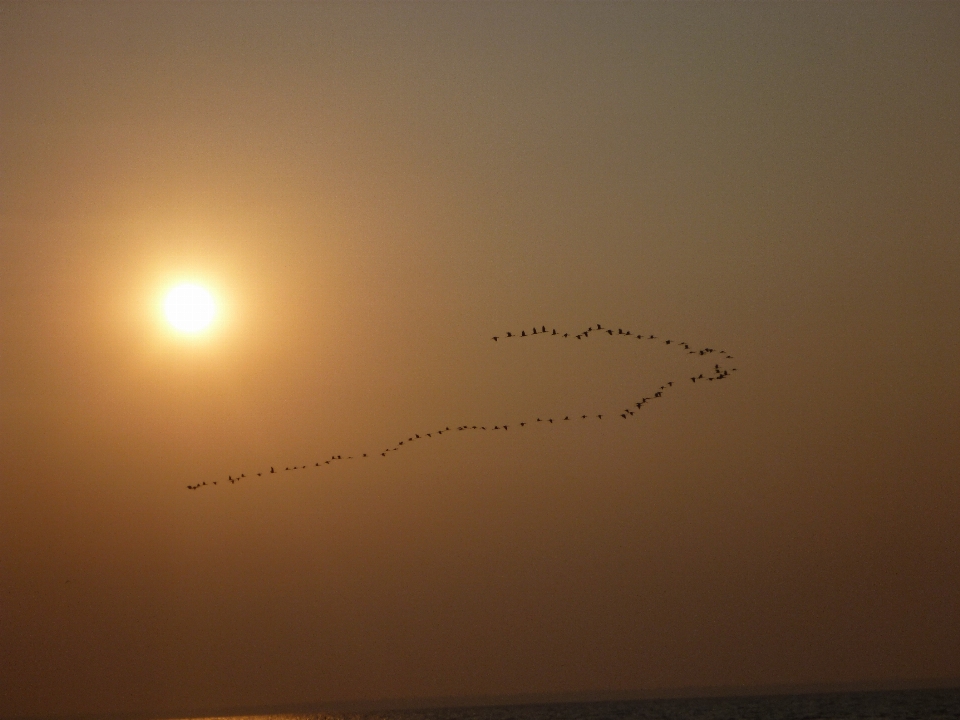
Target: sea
x,y
888,705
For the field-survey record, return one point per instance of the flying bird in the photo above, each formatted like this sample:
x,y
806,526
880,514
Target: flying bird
x,y
718,374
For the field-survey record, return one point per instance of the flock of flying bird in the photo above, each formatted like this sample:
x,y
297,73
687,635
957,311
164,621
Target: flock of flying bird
x,y
715,373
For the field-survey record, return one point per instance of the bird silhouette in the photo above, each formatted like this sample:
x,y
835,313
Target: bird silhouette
x,y
718,373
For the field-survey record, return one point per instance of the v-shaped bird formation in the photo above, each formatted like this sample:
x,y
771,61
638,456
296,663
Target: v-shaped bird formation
x,y
717,372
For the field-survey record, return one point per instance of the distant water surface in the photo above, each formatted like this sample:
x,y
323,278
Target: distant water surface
x,y
896,705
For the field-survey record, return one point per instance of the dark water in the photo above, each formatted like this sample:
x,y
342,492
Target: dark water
x,y
896,705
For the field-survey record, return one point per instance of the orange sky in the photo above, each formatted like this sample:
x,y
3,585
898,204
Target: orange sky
x,y
373,191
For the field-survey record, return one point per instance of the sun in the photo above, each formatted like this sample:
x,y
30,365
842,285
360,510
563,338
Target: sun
x,y
189,308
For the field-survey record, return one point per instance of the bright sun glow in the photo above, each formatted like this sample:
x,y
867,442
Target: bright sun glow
x,y
189,308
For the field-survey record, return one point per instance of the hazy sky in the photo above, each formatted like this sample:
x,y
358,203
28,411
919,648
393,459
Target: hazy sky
x,y
374,190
